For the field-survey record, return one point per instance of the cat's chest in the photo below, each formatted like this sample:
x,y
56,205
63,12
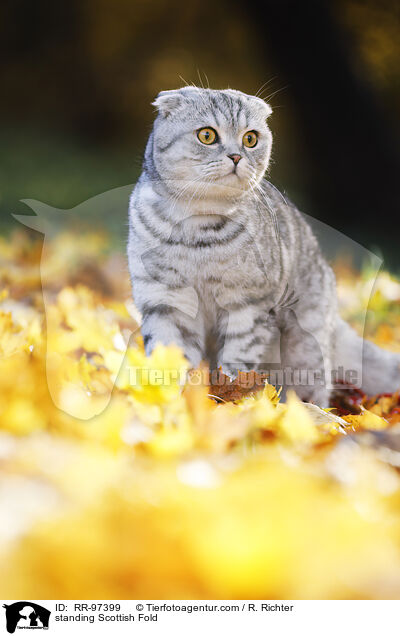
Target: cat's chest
x,y
238,281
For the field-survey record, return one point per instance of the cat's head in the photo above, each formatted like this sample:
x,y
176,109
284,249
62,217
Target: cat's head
x,y
208,143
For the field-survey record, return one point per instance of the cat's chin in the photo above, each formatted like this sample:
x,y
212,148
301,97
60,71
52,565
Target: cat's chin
x,y
234,180
228,189
222,191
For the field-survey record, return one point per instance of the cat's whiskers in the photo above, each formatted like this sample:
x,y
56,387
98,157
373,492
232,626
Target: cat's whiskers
x,y
279,90
203,185
179,194
278,192
177,198
263,87
262,197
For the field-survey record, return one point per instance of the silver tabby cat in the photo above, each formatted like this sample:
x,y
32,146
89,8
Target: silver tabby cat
x,y
223,266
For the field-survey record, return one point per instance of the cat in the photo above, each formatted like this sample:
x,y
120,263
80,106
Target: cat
x,y
224,266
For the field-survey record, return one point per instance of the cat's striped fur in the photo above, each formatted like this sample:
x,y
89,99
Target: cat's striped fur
x,y
223,265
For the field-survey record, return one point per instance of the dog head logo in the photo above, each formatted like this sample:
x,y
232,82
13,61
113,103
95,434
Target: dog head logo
x,y
26,615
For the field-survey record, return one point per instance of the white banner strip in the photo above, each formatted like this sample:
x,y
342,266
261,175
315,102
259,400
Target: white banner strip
x,y
194,617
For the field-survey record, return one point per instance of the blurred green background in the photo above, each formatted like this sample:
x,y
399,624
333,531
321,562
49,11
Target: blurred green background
x,y
78,77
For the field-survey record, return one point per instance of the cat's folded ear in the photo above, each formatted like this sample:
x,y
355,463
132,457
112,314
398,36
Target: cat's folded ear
x,y
264,108
167,101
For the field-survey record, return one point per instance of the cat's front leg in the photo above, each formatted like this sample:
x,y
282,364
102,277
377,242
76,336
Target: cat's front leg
x,y
167,325
250,340
306,352
170,315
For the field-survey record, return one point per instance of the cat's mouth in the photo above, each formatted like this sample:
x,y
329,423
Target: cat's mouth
x,y
231,180
232,172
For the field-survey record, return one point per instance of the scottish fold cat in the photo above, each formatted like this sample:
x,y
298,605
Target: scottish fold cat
x,y
228,269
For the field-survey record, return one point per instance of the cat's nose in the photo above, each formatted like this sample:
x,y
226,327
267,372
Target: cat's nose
x,y
235,158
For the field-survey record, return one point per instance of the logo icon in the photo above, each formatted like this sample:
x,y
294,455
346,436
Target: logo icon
x,y
26,615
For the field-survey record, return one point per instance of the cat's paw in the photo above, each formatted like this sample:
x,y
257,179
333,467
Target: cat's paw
x,y
230,371
317,395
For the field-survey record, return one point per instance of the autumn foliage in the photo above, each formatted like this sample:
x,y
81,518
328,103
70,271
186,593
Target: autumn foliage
x,y
113,488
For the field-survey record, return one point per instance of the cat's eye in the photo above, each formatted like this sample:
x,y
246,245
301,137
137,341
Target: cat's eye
x,y
250,139
207,136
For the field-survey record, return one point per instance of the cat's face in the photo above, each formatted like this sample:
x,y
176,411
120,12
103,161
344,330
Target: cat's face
x,y
209,144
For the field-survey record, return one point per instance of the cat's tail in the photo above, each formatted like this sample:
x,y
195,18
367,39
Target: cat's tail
x,y
363,363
